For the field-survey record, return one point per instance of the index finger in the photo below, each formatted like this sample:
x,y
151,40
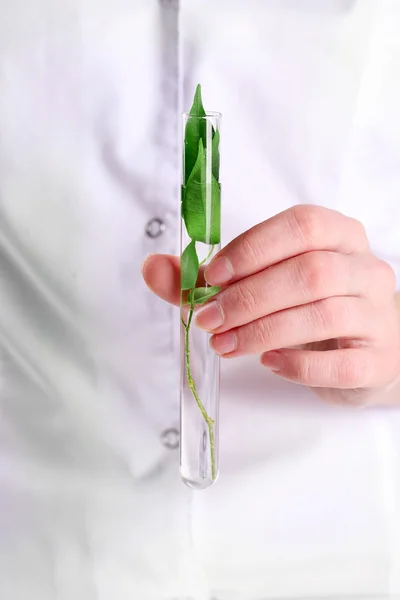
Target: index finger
x,y
300,229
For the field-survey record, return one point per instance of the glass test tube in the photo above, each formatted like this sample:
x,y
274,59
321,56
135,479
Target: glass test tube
x,y
200,241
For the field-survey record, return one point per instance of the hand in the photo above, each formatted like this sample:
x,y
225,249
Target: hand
x,y
305,292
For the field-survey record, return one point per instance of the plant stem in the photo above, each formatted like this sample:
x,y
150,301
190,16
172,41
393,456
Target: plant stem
x,y
207,257
192,386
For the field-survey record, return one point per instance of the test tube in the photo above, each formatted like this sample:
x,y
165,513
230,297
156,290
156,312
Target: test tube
x,y
200,241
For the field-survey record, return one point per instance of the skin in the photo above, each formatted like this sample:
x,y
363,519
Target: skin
x,y
304,291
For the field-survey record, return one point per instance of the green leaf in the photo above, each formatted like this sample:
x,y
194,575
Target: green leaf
x,y
202,294
196,129
201,206
215,155
189,266
197,109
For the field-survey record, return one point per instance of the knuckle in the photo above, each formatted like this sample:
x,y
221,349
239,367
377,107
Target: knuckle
x,y
326,315
384,275
359,230
243,299
307,224
352,371
314,270
394,366
302,371
250,246
262,332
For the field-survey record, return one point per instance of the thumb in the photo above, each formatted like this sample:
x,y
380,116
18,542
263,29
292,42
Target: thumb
x,y
161,273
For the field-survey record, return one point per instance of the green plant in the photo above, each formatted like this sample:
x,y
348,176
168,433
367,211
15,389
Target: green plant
x,y
201,213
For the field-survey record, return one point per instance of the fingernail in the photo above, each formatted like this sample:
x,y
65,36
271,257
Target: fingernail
x,y
224,343
219,271
209,317
272,360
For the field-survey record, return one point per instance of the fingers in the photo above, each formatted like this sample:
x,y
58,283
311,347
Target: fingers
x,y
300,280
337,317
161,273
352,368
300,229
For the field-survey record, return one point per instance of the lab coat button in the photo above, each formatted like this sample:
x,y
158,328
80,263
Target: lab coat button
x,y
155,227
170,438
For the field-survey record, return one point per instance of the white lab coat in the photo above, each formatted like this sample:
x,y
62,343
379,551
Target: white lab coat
x,y
91,505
